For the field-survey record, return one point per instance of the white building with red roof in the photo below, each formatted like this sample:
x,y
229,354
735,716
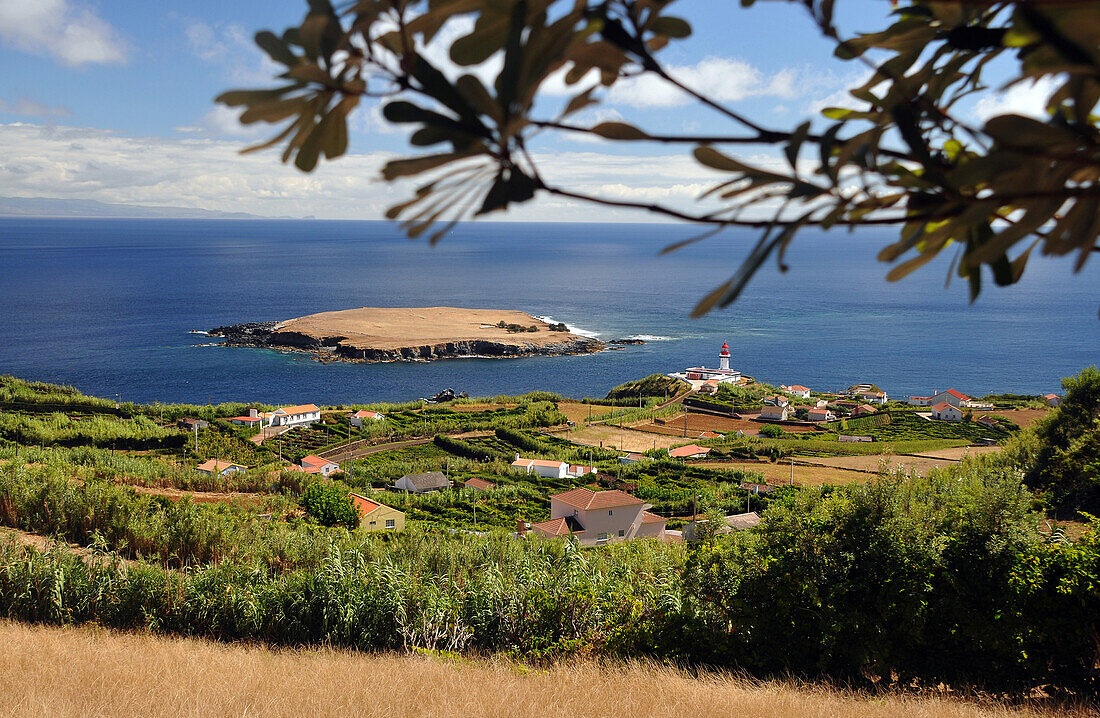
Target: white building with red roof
x,y
300,415
361,416
690,451
314,464
946,412
1053,400
541,467
797,390
599,517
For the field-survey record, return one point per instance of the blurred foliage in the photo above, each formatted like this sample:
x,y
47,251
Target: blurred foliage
x,y
900,156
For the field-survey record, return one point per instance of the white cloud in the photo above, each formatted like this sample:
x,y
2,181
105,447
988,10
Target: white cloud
x,y
231,48
33,108
66,30
721,78
84,163
1025,98
221,121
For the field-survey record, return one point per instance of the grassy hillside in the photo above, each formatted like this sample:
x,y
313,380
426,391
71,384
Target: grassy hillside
x,y
77,672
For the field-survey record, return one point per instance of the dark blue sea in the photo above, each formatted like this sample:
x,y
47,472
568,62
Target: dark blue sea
x,y
108,306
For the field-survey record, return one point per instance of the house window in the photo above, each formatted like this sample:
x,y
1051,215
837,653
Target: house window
x,y
372,523
622,533
609,512
602,536
390,524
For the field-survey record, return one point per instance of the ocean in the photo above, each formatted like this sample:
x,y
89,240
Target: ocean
x,y
108,306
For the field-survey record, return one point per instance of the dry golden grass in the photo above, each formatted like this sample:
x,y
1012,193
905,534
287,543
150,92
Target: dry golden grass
x,y
92,672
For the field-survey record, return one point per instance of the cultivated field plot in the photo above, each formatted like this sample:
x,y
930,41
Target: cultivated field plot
x,y
612,437
1023,417
779,474
580,412
958,454
873,464
698,423
88,671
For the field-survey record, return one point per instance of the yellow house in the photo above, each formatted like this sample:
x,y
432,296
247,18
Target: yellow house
x,y
374,516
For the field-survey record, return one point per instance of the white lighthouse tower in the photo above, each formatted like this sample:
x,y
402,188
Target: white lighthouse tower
x,y
724,357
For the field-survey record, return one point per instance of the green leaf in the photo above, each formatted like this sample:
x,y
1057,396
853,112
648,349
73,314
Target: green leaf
x,y
795,144
416,165
619,131
674,27
276,48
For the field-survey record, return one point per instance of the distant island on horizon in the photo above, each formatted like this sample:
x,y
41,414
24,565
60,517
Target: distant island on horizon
x,y
60,208
373,334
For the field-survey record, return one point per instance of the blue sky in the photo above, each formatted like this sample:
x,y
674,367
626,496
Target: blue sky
x,y
112,101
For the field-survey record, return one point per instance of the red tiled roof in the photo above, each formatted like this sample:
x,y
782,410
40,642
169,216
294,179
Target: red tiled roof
x,y
710,435
480,484
364,505
1051,396
648,518
956,394
249,419
689,450
555,527
300,409
364,414
215,465
587,499
943,405
537,462
314,460
798,387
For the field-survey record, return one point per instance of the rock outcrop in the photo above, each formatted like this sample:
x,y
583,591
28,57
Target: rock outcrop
x,y
310,336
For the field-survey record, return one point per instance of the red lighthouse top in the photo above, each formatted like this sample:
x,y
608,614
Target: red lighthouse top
x,y
725,348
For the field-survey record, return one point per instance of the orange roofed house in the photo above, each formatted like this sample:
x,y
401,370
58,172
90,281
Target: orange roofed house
x,y
691,451
314,464
374,516
301,415
599,517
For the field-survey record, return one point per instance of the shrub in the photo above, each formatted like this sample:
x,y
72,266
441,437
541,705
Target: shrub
x,y
772,431
329,504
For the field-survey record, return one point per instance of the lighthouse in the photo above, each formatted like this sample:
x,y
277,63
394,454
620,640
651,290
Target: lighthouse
x,y
724,357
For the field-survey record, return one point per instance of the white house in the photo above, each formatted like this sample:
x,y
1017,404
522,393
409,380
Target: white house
x,y
775,413
946,412
821,413
301,415
314,464
797,390
221,468
599,517
777,400
363,415
874,397
579,470
542,467
952,397
1053,400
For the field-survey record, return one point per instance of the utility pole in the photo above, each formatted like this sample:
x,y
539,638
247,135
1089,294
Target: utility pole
x,y
196,438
